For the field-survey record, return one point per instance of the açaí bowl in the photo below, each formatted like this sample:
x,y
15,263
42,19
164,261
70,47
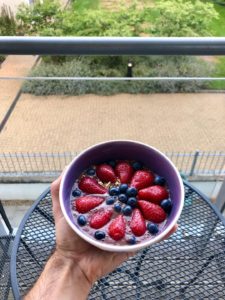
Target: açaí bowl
x,y
152,158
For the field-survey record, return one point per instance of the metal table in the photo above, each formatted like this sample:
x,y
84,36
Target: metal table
x,y
189,265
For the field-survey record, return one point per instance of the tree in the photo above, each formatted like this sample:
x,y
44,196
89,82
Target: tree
x,y
183,18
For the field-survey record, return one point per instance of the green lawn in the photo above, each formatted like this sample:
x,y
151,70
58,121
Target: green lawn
x,y
218,26
80,5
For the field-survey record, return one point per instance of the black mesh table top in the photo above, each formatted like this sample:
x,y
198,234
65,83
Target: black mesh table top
x,y
189,265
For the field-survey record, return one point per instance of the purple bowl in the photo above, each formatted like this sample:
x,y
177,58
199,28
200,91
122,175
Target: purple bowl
x,y
123,150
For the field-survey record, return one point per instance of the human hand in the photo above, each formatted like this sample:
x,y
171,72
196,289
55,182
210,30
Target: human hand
x,y
93,262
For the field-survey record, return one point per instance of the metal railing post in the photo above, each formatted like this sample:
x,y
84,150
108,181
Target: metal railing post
x,y
194,162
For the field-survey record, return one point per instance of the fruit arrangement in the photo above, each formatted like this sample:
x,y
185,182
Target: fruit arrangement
x,y
120,202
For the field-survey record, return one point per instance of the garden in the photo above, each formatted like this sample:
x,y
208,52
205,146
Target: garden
x,y
138,19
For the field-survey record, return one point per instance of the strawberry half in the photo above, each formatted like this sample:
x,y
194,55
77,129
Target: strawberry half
x,y
86,203
100,218
106,173
91,186
124,171
117,228
142,179
137,224
152,212
155,194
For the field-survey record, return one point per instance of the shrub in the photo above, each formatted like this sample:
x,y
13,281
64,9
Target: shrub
x,y
7,21
143,66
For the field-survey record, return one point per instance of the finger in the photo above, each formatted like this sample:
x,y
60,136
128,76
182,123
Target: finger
x,y
55,198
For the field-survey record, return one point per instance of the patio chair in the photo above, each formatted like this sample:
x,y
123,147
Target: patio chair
x,y
6,241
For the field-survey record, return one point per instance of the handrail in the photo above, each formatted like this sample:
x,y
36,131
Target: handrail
x,y
112,45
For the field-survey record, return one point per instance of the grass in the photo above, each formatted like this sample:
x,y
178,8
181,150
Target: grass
x,y
219,72
81,5
218,26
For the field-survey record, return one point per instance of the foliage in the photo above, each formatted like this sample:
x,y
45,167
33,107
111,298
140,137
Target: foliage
x,y
80,5
183,18
117,67
218,25
42,18
219,72
2,58
7,21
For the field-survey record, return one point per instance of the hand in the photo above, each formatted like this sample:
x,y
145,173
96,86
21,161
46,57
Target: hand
x,y
93,262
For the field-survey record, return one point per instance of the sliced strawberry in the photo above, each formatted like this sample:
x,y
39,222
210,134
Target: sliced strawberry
x,y
91,186
155,194
117,228
124,171
100,218
152,212
142,179
106,173
86,203
137,223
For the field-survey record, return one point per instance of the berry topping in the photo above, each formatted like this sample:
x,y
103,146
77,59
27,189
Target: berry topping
x,y
110,200
127,210
166,204
152,212
81,220
137,165
112,163
155,194
131,192
76,193
113,191
123,188
142,179
122,198
99,235
100,218
152,228
86,203
91,186
117,207
137,223
131,240
124,171
132,201
105,173
117,228
159,180
90,172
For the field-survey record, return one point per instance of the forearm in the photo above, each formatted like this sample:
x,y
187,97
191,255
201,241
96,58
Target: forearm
x,y
60,279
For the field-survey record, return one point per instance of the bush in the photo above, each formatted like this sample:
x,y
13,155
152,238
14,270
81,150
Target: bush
x,y
143,66
7,22
2,58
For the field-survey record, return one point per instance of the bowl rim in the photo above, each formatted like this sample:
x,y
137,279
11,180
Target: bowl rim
x,y
122,248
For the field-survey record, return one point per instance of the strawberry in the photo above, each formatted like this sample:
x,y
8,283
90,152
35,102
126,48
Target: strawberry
x,y
117,228
91,186
142,179
137,223
155,194
152,212
100,218
84,204
124,171
105,173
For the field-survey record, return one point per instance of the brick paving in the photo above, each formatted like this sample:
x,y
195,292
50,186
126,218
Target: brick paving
x,y
170,122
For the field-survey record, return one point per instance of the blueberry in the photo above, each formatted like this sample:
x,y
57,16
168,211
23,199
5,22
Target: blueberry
x,y
123,188
122,198
166,204
110,200
76,193
131,240
99,235
132,201
159,180
137,166
112,163
117,207
81,220
113,191
127,210
152,228
90,171
131,192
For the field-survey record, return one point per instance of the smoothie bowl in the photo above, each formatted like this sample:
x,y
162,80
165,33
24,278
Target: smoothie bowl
x,y
121,195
